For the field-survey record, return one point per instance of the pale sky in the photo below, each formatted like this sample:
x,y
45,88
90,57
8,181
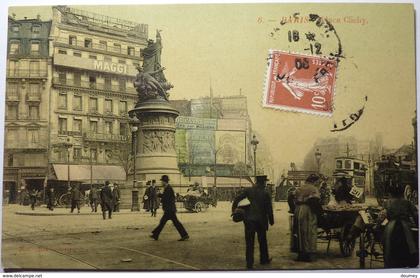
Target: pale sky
x,y
228,44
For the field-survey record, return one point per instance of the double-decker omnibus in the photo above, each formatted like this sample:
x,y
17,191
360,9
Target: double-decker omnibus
x,y
353,172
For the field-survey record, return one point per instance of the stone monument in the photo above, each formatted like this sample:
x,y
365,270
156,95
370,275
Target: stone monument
x,y
156,153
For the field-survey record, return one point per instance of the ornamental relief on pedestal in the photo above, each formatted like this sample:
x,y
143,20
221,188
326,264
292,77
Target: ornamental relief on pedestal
x,y
158,141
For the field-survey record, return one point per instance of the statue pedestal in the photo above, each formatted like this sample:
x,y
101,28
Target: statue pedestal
x,y
156,155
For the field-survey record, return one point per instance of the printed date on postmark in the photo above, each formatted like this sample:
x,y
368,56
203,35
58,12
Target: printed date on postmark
x,y
300,83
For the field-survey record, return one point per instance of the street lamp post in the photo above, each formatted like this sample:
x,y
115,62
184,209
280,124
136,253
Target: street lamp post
x,y
135,192
67,146
318,160
254,143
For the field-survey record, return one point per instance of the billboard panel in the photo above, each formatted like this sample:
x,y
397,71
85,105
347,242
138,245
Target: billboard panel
x,y
200,146
230,146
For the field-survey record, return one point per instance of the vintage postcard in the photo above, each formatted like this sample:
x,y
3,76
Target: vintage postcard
x,y
210,137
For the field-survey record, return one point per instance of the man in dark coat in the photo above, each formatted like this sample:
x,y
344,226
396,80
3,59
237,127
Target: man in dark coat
x,y
76,195
93,198
116,194
33,195
256,219
169,211
50,198
146,203
106,201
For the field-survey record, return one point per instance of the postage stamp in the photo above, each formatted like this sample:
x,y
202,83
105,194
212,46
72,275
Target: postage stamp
x,y
300,83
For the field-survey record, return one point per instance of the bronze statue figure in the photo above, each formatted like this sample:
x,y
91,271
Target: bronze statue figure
x,y
150,81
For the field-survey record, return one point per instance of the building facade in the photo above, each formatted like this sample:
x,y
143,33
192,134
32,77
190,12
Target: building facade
x,y
28,81
213,136
94,66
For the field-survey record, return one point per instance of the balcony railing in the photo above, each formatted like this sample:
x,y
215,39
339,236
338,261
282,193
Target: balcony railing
x,y
12,96
21,73
98,46
33,97
95,86
91,136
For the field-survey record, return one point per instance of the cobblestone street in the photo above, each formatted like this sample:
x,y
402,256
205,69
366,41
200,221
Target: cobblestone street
x,y
85,241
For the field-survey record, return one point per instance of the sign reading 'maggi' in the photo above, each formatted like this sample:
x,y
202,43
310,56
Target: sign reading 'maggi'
x,y
109,66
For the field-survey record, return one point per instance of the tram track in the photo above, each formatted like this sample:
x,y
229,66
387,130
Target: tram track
x,y
96,242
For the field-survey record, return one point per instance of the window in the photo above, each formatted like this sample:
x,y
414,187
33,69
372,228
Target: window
x,y
62,126
94,154
130,51
88,43
12,89
34,89
33,135
77,103
356,165
36,29
123,107
14,47
34,68
11,136
15,28
62,78
34,112
121,84
77,126
347,164
77,79
102,45
72,40
123,129
93,104
62,101
12,112
108,127
10,160
108,83
121,61
94,126
77,54
108,106
117,47
62,52
35,47
13,67
92,82
77,153
93,57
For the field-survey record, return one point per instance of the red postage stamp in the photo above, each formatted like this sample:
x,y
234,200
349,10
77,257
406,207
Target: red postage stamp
x,y
301,83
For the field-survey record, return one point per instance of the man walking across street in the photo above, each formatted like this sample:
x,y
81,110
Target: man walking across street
x,y
93,198
169,211
75,198
106,201
256,219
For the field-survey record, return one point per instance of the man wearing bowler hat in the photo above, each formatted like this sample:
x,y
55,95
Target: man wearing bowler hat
x,y
256,219
169,211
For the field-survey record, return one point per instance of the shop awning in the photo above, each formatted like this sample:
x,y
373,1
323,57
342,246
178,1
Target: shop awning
x,y
82,172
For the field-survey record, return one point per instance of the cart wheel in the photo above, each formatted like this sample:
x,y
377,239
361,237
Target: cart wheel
x,y
198,207
65,200
346,246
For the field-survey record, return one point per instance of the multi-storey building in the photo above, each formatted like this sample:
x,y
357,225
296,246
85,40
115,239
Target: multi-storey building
x,y
27,100
93,69
213,134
